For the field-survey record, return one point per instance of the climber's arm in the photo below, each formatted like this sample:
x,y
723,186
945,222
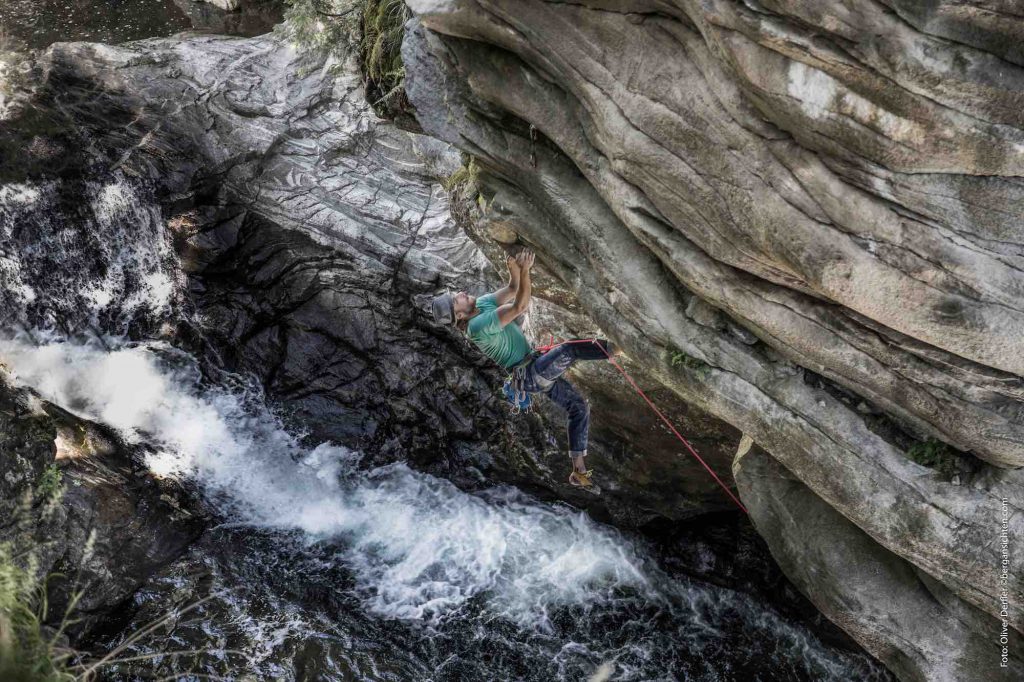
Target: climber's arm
x,y
508,292
510,311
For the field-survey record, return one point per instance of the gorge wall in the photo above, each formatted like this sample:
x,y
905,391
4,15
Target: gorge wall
x,y
239,199
800,219
818,205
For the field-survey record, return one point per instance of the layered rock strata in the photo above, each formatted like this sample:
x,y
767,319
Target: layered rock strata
x,y
816,203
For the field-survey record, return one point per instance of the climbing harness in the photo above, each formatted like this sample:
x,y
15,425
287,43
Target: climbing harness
x,y
514,388
515,392
654,408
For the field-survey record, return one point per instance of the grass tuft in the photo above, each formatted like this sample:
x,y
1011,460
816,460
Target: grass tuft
x,y
26,654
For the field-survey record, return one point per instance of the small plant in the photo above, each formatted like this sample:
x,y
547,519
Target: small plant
x,y
381,49
678,358
31,651
50,486
465,180
462,186
936,455
26,653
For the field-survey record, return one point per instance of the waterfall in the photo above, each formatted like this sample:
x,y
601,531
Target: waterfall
x,y
89,253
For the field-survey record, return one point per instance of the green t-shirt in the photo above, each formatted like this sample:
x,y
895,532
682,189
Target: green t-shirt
x,y
505,345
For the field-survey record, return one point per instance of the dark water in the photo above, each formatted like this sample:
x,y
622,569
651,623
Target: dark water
x,y
294,611
320,568
38,23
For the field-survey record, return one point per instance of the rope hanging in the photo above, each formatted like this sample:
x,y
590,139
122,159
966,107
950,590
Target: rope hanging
x,y
545,349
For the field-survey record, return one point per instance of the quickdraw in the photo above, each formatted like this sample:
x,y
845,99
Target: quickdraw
x,y
515,390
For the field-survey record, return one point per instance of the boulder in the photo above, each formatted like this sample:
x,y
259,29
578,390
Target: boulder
x,y
79,508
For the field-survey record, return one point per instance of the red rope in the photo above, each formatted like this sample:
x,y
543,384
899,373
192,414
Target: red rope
x,y
545,349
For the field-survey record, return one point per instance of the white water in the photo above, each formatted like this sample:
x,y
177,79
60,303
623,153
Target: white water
x,y
419,548
109,257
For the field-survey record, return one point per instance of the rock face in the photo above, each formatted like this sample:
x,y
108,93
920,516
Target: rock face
x,y
798,218
307,238
817,204
74,502
227,5
242,19
873,594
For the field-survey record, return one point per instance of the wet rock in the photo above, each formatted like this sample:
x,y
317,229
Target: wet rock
x,y
77,506
233,17
226,5
312,235
815,171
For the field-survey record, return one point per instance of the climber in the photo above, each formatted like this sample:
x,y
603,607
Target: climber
x,y
490,322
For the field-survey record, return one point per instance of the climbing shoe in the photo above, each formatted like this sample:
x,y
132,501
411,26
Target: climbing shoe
x,y
584,481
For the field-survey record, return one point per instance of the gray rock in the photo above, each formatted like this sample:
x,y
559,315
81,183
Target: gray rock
x,y
838,183
854,344
226,5
312,235
102,526
233,17
913,624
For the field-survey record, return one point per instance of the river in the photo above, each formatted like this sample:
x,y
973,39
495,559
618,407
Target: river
x,y
390,574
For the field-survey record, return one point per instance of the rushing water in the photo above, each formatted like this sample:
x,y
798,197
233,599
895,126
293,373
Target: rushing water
x,y
314,552
99,244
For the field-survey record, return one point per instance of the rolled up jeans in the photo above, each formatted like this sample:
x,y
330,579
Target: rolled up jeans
x,y
544,375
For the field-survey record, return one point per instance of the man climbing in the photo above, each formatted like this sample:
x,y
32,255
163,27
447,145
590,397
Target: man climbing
x,y
489,322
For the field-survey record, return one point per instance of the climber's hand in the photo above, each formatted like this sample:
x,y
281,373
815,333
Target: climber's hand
x,y
526,258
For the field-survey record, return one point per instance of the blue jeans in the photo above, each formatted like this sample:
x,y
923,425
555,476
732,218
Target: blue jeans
x,y
544,375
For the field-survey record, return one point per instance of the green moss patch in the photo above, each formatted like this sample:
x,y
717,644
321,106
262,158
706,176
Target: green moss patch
x,y
680,360
936,455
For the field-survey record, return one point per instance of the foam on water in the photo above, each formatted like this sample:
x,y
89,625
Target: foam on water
x,y
76,254
419,548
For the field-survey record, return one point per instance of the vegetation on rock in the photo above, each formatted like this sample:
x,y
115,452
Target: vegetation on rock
x,y
465,179
936,455
330,27
678,358
321,26
381,51
463,188
29,650
50,485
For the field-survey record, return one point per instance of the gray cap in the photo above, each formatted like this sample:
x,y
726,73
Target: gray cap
x,y
443,307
